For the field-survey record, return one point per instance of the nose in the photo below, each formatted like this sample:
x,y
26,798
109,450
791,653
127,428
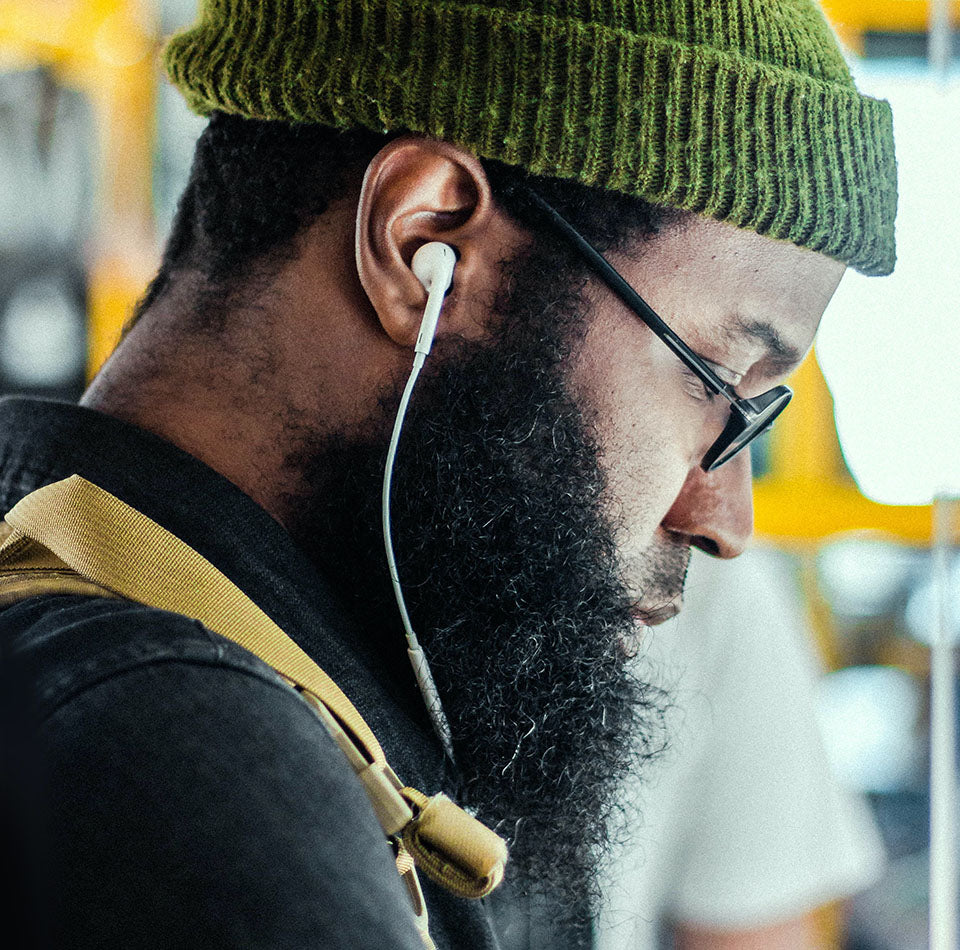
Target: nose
x,y
715,509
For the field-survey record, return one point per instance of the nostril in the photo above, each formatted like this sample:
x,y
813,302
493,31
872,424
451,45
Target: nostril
x,y
706,545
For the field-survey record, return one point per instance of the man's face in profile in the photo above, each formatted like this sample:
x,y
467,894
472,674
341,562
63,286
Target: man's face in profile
x,y
748,306
546,495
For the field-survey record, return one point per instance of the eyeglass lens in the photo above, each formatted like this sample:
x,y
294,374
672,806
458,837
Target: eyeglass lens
x,y
748,419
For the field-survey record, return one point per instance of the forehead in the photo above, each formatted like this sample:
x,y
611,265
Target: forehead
x,y
709,279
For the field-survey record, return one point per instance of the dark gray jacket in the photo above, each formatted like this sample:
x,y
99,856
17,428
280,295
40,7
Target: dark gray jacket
x,y
175,793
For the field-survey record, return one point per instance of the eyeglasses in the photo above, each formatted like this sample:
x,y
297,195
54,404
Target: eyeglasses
x,y
748,417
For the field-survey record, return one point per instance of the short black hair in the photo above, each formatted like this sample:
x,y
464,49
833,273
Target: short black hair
x,y
255,185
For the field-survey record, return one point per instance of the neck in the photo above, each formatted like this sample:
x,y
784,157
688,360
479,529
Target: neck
x,y
238,389
202,408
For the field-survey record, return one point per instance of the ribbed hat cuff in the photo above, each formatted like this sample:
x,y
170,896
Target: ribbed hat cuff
x,y
762,147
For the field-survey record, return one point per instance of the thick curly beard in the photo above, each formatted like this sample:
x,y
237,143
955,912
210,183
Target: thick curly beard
x,y
512,578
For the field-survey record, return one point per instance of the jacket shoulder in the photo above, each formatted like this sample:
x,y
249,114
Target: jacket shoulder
x,y
64,644
184,775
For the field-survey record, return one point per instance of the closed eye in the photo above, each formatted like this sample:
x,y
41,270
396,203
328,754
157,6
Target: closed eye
x,y
695,386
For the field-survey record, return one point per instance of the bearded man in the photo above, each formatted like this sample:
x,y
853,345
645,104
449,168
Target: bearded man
x,y
564,450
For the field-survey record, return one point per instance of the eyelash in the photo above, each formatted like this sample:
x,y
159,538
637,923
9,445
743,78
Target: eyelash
x,y
703,393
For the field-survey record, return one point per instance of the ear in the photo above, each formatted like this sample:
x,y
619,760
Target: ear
x,y
418,190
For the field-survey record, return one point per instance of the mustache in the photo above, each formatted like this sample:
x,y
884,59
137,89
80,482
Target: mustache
x,y
652,617
661,575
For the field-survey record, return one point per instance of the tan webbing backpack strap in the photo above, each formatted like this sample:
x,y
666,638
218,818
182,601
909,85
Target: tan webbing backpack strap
x,y
61,535
393,812
74,537
38,571
92,532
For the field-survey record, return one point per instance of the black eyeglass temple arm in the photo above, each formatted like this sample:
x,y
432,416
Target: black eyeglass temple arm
x,y
632,299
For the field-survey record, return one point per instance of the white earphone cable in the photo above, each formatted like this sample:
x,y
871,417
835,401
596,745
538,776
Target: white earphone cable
x,y
421,669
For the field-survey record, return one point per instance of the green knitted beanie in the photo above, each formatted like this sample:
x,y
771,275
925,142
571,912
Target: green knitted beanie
x,y
742,110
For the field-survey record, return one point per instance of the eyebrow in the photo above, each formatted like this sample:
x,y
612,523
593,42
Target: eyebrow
x,y
781,353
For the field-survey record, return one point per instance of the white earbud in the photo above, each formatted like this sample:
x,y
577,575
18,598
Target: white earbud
x,y
433,266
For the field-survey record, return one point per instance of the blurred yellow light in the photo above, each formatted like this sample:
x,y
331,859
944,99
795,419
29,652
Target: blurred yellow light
x,y
882,15
118,44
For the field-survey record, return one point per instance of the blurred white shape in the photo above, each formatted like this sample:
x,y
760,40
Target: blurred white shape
x,y
177,132
922,607
889,347
41,336
46,194
864,577
176,14
869,717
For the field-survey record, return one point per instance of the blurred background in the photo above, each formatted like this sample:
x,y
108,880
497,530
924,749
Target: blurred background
x,y
95,148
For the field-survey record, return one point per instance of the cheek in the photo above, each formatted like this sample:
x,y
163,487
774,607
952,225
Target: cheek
x,y
643,429
644,481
